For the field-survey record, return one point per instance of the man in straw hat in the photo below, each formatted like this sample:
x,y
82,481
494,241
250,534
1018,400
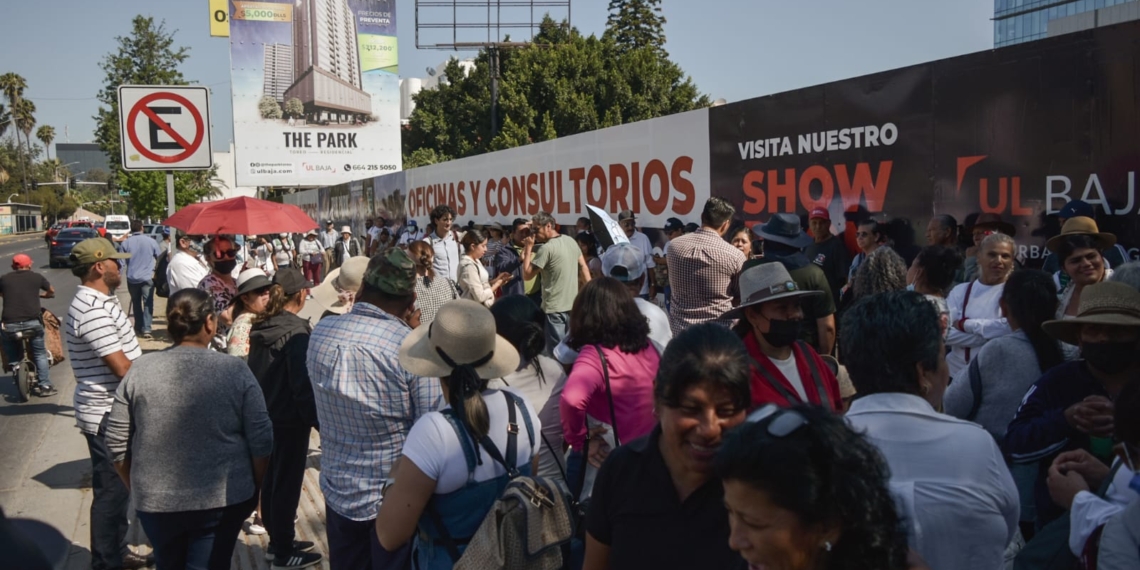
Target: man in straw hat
x,y
1078,247
786,370
1114,254
337,292
366,403
1071,406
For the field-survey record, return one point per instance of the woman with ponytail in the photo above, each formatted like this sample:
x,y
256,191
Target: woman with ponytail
x,y
453,467
538,378
1007,367
432,290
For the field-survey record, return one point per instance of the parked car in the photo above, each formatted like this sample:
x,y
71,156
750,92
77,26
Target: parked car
x,y
155,231
63,242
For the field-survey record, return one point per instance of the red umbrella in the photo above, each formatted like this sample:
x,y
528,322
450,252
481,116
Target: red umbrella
x,y
242,215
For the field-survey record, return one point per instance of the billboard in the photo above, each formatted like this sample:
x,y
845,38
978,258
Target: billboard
x,y
1017,131
657,168
316,97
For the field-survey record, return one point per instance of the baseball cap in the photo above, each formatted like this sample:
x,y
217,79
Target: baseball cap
x,y
291,280
691,227
626,215
21,260
1076,208
624,262
673,225
413,223
393,273
92,250
820,214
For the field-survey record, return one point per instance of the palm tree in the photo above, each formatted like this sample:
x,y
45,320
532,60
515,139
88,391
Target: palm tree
x,y
13,86
5,118
46,134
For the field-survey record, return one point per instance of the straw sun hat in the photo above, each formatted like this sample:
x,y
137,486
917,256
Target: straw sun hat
x,y
464,333
1081,225
1107,303
344,279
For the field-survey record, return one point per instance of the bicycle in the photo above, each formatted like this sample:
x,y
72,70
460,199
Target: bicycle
x,y
24,371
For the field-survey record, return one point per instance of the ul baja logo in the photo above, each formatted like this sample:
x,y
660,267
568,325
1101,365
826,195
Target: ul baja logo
x,y
1005,198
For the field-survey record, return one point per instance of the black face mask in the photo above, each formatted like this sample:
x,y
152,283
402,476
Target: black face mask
x,y
226,266
1109,357
782,333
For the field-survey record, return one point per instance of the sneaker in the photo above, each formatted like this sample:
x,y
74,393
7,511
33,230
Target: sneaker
x,y
297,560
45,391
254,526
298,546
147,336
135,561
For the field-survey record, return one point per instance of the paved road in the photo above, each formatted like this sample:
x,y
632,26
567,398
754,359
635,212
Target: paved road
x,y
45,471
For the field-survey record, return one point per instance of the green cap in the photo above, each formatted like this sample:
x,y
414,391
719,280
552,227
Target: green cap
x,y
393,273
92,250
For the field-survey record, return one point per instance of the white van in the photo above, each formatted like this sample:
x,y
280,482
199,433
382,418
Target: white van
x,y
118,227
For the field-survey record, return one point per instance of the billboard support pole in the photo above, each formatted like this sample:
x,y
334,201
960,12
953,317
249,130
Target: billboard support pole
x,y
493,59
169,193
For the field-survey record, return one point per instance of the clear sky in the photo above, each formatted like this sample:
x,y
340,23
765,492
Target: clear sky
x,y
735,49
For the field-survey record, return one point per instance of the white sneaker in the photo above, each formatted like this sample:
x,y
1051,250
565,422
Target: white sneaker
x,y
254,526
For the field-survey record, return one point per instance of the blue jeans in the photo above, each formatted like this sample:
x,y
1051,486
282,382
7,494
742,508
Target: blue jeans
x,y
353,545
557,325
15,348
196,540
142,304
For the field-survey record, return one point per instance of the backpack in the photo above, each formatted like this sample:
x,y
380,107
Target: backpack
x,y
528,524
161,285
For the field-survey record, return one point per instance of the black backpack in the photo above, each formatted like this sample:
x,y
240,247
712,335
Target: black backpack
x,y
161,286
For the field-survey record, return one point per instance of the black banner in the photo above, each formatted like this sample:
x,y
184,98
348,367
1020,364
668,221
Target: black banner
x,y
1017,131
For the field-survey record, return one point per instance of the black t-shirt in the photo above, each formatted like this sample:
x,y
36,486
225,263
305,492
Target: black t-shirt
x,y
21,290
635,510
831,256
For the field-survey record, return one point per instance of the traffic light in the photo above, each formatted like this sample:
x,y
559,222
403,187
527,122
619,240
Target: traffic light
x,y
72,183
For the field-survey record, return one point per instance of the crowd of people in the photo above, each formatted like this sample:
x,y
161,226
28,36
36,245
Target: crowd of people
x,y
764,397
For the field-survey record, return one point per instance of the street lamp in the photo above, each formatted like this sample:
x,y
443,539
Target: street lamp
x,y
10,197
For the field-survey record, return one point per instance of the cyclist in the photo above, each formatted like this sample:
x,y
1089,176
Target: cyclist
x,y
22,290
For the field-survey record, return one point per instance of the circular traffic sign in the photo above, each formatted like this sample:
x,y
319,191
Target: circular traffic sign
x,y
188,147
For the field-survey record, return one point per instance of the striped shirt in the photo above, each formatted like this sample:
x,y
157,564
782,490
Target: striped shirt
x,y
96,327
366,404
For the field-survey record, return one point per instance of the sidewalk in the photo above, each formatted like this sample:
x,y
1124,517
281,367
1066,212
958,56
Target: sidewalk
x,y
56,487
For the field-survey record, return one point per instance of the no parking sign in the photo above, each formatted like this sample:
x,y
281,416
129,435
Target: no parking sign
x,y
165,127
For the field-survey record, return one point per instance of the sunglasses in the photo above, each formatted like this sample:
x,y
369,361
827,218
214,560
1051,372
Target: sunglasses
x,y
228,254
783,421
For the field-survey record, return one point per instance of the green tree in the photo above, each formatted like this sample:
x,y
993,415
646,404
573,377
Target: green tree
x,y
269,108
5,119
146,56
294,108
46,134
13,86
561,85
637,24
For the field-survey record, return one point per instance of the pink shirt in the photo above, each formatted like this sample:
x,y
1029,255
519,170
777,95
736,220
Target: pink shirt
x,y
631,381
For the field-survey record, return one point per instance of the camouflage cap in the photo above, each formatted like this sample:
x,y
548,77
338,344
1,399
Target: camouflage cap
x,y
393,273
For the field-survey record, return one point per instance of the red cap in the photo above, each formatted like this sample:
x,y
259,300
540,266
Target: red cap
x,y
820,214
21,261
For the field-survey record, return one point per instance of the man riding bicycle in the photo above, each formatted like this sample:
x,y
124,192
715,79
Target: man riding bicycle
x,y
22,290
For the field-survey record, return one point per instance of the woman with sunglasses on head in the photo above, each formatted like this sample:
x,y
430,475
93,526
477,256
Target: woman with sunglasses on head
x,y
221,255
191,492
952,487
656,502
804,491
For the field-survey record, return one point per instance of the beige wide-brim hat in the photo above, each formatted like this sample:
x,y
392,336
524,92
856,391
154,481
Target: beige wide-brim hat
x,y
347,277
465,331
1081,225
1106,303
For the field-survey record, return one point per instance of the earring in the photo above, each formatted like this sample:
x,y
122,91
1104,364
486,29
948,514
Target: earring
x,y
827,546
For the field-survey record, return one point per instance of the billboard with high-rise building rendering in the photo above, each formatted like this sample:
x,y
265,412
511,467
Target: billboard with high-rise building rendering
x,y
316,93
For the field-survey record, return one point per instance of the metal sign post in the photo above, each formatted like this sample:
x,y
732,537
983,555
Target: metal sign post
x,y
169,193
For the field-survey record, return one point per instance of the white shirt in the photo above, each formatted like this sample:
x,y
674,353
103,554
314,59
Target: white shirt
x,y
96,327
790,371
434,446
412,234
642,242
948,479
185,271
474,283
1090,511
447,255
983,322
329,238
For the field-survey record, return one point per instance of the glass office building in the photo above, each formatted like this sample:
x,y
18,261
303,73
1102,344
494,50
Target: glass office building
x,y
1017,21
